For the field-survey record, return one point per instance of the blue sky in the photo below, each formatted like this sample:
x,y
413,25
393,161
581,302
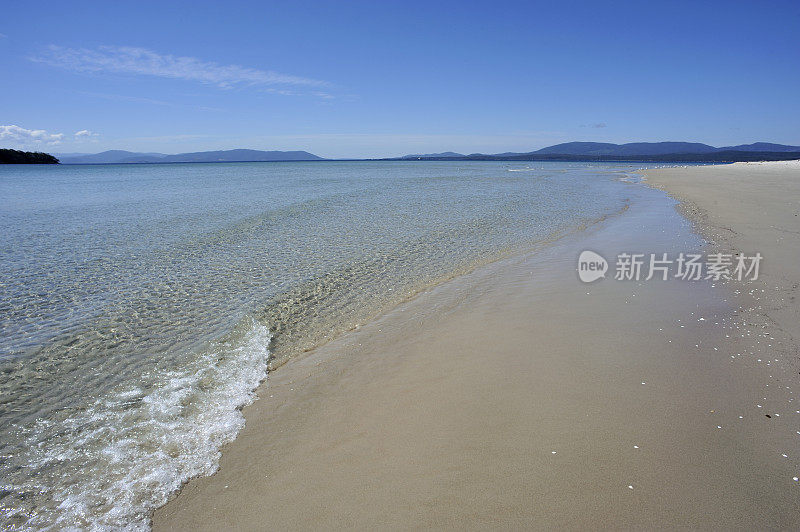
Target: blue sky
x,y
384,78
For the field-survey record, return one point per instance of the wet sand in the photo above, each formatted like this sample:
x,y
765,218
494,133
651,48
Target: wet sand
x,y
749,207
517,396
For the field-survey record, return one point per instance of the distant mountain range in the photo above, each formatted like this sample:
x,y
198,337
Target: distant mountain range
x,y
569,151
676,151
227,156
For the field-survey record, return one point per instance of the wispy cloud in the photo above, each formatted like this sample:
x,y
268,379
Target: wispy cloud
x,y
141,61
323,95
596,125
20,136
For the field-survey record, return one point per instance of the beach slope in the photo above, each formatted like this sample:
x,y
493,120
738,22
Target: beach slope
x,y
518,396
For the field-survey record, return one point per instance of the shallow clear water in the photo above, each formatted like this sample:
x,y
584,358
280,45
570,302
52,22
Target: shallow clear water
x,y
140,304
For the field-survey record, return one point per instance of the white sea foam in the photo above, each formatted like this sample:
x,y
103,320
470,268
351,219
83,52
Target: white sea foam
x,y
129,454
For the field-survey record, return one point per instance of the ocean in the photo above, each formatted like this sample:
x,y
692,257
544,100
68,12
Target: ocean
x,y
142,305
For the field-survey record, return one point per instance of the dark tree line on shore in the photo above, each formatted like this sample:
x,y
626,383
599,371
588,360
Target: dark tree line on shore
x,y
26,157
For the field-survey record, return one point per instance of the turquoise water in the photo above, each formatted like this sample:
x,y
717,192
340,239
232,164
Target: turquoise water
x,y
140,304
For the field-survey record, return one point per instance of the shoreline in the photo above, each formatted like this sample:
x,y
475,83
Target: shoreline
x,y
179,416
509,254
480,403
735,212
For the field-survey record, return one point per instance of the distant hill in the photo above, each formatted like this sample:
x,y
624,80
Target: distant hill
x,y
633,148
127,157
443,155
26,157
762,146
230,156
643,151
71,154
106,157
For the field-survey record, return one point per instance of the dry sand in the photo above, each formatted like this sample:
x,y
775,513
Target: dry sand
x,y
519,397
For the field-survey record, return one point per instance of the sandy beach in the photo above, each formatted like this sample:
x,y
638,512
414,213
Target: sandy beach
x,y
517,396
748,207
